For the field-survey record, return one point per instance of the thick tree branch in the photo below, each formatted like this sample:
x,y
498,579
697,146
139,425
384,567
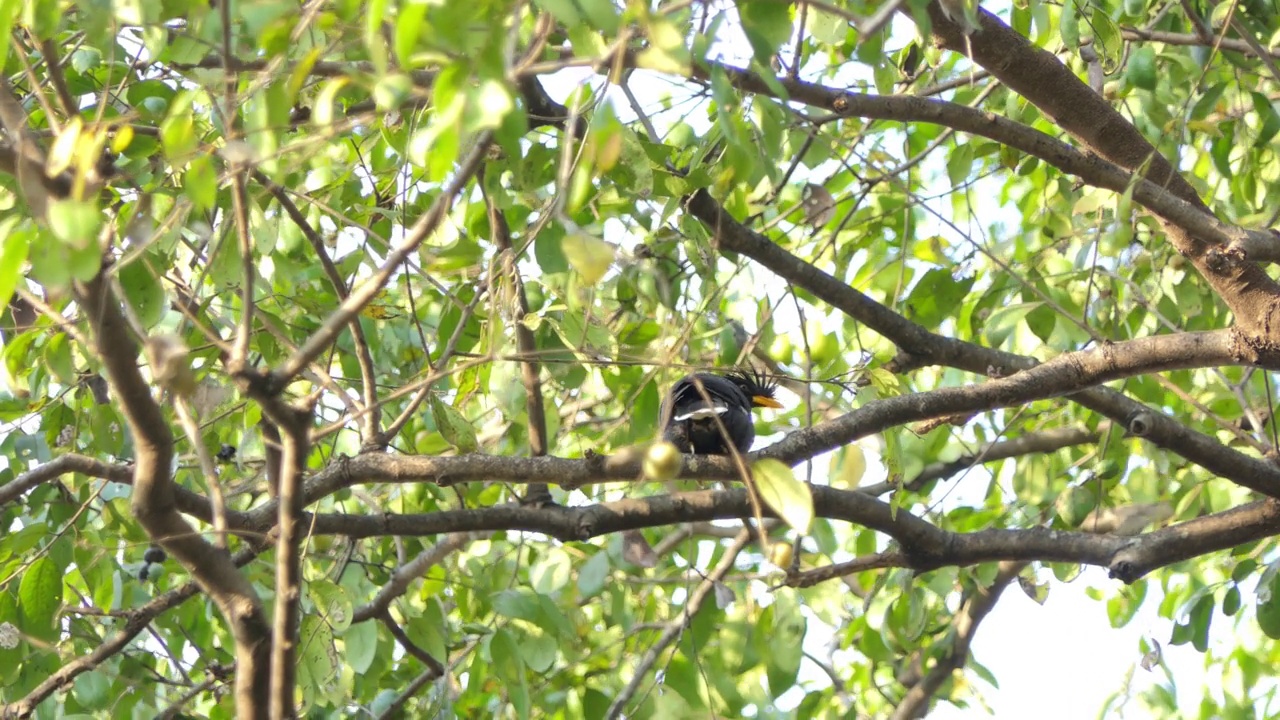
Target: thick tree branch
x,y
295,446
1104,172
924,347
59,466
1043,80
923,546
154,503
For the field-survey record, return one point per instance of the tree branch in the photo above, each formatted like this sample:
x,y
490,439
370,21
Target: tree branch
x,y
284,633
1044,81
924,546
677,625
1187,212
137,621
59,466
964,627
530,371
410,571
361,295
923,347
1045,441
372,415
154,503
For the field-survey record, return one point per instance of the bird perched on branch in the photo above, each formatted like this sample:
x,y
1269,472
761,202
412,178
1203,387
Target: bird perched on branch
x,y
696,402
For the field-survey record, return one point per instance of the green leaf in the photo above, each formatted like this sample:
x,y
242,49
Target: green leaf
x,y
409,27
333,604
178,131
551,573
1201,616
848,465
566,12
326,101
1270,119
590,256
8,12
429,630
488,105
143,290
1141,70
667,51
75,222
1268,608
1231,601
937,296
454,426
391,91
200,182
1109,43
13,253
766,24
517,604
40,596
779,488
826,27
317,657
593,574
538,650
361,644
57,358
782,631
92,689
508,666
1001,324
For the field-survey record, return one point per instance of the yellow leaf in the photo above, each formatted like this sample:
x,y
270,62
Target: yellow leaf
x,y
123,136
789,497
325,101
63,151
589,255
848,465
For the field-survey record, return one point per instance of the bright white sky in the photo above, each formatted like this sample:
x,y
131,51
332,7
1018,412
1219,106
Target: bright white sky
x,y
1058,660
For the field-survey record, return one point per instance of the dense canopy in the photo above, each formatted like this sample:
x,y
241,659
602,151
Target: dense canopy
x,y
336,334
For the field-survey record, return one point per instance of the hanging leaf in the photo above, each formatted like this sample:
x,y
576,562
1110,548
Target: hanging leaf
x,y
590,256
454,426
784,493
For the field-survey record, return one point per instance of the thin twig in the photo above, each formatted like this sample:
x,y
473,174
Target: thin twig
x,y
676,626
362,295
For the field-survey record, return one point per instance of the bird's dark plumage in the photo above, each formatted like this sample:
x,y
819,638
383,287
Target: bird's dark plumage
x,y
689,420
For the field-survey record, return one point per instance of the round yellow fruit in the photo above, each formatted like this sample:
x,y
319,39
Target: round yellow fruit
x,y
781,554
661,462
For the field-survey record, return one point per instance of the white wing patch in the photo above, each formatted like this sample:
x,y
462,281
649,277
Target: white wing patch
x,y
703,413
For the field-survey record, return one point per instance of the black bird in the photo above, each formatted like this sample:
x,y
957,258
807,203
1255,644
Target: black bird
x,y
689,421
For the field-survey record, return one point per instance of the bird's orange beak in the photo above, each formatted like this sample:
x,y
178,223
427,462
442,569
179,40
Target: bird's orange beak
x,y
765,401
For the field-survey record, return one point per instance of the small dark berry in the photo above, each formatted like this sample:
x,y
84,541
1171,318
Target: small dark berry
x,y
142,574
226,453
154,555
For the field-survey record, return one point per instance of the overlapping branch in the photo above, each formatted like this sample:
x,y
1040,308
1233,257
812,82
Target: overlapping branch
x,y
1044,81
137,621
154,503
920,346
923,546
